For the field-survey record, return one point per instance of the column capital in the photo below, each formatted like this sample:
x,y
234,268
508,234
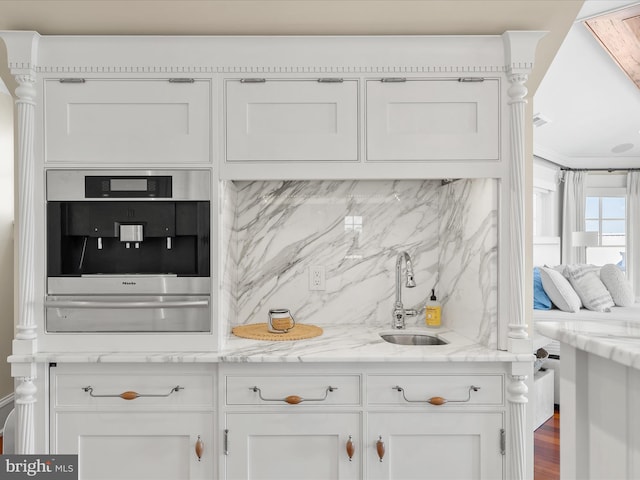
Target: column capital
x,y
520,49
22,51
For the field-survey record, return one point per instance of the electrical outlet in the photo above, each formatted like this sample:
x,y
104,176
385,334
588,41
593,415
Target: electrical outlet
x,y
316,277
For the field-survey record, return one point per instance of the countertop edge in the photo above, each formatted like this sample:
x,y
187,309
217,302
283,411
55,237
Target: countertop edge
x,y
621,348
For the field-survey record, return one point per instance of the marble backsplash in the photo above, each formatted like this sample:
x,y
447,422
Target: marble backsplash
x,y
272,232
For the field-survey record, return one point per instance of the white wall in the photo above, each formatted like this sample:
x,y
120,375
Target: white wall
x,y
6,239
546,188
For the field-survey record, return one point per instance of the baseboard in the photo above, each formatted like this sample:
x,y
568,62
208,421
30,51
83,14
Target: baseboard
x,y
6,405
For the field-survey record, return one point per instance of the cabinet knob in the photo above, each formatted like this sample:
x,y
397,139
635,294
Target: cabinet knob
x,y
199,448
351,447
380,448
293,399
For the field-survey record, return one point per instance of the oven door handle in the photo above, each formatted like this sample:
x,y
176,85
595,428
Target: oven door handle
x,y
125,304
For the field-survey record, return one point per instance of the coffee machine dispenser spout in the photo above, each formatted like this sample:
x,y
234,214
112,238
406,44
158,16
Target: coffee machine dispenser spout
x,y
131,233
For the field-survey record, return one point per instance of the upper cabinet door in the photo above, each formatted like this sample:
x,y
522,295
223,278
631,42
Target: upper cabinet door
x,y
127,121
433,120
291,120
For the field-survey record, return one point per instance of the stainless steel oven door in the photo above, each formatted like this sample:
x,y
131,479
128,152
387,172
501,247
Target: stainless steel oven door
x,y
126,313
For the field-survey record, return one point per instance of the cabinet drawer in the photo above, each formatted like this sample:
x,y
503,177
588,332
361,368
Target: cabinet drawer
x,y
293,389
127,121
419,389
433,120
292,120
154,387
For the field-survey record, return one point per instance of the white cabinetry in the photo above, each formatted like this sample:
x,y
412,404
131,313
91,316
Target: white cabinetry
x,y
293,445
320,421
134,422
302,424
418,445
433,119
98,121
291,120
542,395
426,426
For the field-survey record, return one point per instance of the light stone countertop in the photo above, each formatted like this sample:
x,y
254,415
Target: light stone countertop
x,y
618,341
344,344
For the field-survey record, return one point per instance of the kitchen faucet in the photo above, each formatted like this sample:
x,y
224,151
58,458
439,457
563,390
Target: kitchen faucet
x,y
399,312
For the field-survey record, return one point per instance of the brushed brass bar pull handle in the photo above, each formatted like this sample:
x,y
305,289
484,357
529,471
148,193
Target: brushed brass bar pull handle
x,y
292,399
437,400
199,448
130,395
351,448
380,448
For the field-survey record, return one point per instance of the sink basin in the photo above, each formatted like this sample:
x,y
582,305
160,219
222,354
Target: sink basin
x,y
413,339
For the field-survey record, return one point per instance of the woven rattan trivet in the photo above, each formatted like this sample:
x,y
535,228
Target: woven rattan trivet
x,y
259,331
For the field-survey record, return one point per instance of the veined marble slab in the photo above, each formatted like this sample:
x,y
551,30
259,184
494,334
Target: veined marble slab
x,y
615,340
355,230
338,344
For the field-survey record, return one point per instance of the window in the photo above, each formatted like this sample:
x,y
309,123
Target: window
x,y
606,215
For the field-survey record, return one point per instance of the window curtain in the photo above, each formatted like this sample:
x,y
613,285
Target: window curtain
x,y
573,206
632,257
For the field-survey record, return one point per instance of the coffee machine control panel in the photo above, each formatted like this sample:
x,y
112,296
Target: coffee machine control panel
x,y
100,186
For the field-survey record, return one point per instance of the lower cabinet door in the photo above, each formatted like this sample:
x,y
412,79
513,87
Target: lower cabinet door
x,y
295,446
136,446
443,445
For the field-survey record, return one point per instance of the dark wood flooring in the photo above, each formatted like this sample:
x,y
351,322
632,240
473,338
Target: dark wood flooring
x,y
546,465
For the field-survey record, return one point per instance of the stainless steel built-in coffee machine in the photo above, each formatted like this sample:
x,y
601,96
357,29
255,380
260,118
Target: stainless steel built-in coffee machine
x,y
128,251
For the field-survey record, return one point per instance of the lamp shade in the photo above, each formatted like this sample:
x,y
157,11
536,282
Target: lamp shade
x,y
584,239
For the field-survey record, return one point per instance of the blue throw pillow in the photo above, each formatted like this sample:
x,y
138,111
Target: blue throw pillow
x,y
541,300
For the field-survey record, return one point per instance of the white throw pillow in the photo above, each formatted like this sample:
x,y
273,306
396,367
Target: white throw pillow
x,y
589,287
618,285
559,290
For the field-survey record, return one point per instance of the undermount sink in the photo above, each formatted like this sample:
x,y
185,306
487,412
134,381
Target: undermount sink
x,y
413,339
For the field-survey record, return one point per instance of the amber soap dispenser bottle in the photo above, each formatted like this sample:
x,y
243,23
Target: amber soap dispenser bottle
x,y
433,311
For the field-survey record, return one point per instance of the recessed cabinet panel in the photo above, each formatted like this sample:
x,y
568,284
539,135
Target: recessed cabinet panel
x,y
154,446
300,446
418,120
127,121
423,446
280,120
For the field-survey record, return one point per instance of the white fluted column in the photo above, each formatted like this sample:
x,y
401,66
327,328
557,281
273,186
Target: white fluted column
x,y
26,334
22,48
25,102
520,50
517,102
25,399
517,437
